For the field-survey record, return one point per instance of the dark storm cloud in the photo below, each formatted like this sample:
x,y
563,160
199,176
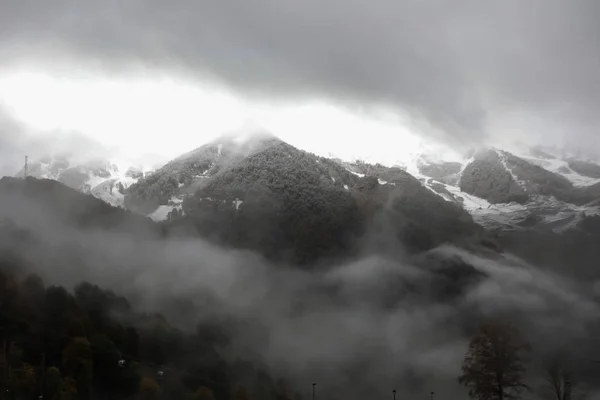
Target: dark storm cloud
x,y
455,63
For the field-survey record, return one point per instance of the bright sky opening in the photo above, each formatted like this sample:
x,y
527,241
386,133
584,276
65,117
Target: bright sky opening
x,y
169,116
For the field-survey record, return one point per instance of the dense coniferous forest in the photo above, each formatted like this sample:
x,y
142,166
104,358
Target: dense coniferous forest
x,y
90,344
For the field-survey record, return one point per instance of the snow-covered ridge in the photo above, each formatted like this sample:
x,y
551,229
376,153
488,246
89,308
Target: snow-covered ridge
x,y
106,180
561,167
540,210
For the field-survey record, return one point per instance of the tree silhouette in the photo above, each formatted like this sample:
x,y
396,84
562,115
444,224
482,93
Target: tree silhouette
x,y
561,378
494,366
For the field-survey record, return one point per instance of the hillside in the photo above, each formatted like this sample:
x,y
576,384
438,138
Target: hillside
x,y
420,216
286,204
281,200
188,172
487,177
41,201
297,206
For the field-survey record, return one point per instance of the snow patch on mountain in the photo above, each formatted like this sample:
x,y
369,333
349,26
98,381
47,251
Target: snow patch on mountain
x,y
561,167
355,173
106,180
545,212
503,160
162,212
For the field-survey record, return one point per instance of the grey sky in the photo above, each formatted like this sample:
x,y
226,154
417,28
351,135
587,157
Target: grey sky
x,y
469,67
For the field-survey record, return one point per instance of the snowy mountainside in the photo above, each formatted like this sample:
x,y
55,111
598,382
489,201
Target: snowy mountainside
x,y
504,191
497,188
580,171
104,179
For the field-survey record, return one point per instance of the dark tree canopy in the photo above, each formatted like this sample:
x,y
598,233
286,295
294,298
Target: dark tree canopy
x,y
494,366
88,352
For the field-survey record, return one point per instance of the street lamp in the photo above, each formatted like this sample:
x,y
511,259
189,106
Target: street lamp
x,y
314,384
394,392
432,395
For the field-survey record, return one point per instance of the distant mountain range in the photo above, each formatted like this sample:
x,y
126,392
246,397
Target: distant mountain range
x,y
501,190
259,192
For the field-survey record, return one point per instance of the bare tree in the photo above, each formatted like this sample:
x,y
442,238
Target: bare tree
x,y
561,378
494,366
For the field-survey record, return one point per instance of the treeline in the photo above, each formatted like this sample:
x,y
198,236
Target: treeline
x,y
90,344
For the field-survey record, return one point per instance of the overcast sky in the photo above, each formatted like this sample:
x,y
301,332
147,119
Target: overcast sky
x,y
160,77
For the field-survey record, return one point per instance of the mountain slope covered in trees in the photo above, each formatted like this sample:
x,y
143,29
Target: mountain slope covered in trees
x,y
294,205
188,172
92,344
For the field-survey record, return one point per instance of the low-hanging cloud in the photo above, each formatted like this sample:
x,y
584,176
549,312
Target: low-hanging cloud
x,y
18,141
359,329
464,66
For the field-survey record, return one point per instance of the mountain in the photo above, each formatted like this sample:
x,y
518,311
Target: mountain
x,y
44,202
259,192
503,191
255,191
101,178
162,190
